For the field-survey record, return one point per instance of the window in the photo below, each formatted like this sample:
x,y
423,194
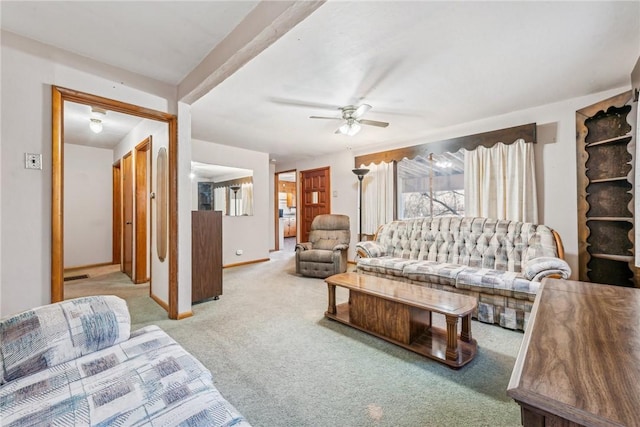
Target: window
x,y
431,186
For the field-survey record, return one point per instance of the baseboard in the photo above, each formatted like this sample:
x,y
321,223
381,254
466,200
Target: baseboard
x,y
139,282
255,261
159,302
185,315
351,262
81,267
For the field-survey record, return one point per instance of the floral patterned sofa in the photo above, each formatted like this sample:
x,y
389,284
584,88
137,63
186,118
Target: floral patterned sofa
x,y
75,363
499,262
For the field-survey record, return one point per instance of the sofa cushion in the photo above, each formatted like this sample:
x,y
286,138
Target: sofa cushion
x,y
147,380
316,255
492,281
433,272
46,336
385,265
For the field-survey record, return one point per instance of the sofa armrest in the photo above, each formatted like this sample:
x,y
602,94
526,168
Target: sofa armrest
x,y
50,335
537,269
305,246
370,249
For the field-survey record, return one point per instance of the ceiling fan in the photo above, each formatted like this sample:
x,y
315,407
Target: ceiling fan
x,y
352,121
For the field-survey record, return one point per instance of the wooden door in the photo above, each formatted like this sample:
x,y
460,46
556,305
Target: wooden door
x,y
127,215
315,197
142,211
116,243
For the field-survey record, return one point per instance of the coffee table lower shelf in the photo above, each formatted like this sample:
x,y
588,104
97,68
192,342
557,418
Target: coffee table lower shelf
x,y
431,343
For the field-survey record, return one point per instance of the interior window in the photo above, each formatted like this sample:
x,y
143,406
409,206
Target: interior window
x,y
431,186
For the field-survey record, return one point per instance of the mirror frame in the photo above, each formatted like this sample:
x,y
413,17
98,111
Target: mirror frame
x,y
58,96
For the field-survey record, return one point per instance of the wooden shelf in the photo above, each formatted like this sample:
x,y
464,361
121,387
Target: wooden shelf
x,y
610,219
610,140
622,258
618,178
606,148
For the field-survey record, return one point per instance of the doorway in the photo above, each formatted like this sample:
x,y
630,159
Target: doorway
x,y
286,218
59,96
314,191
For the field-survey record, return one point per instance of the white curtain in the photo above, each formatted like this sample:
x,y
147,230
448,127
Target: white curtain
x,y
500,182
247,199
220,199
377,197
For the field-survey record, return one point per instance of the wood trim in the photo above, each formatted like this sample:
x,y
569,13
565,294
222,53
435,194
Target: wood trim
x,y
82,267
559,244
173,218
255,261
159,301
141,196
116,221
58,96
469,142
57,196
185,315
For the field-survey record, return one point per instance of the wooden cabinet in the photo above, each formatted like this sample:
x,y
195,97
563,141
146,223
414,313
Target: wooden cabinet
x,y
206,255
606,161
578,362
290,189
290,226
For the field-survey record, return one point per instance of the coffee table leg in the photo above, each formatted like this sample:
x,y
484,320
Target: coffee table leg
x,y
465,334
332,299
452,337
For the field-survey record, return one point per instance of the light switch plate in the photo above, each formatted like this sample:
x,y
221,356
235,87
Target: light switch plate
x,y
32,161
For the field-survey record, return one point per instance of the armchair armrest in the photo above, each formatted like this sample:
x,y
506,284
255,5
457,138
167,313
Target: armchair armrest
x,y
370,249
341,247
305,246
537,269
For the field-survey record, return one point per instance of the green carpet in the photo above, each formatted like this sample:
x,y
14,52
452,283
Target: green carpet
x,y
281,363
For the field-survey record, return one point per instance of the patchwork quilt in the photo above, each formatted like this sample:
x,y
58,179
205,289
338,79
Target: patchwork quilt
x,y
145,380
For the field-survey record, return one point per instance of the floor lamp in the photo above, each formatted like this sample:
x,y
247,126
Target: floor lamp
x,y
235,188
360,173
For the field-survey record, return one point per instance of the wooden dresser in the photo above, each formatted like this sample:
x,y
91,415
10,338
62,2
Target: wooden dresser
x,y
579,363
206,255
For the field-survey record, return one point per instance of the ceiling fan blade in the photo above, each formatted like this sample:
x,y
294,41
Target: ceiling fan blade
x,y
374,123
322,117
361,110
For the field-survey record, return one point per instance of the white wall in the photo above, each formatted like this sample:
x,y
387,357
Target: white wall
x,y
28,69
87,205
249,233
555,164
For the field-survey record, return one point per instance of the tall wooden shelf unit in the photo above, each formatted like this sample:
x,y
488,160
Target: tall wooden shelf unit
x,y
605,134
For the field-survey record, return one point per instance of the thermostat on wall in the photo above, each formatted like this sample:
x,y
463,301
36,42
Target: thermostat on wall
x,y
32,161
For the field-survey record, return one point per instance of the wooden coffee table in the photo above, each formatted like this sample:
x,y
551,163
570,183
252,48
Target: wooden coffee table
x,y
401,313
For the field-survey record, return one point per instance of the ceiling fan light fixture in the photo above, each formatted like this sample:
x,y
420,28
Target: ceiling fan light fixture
x,y
350,128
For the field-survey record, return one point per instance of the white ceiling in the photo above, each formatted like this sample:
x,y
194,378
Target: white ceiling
x,y
421,65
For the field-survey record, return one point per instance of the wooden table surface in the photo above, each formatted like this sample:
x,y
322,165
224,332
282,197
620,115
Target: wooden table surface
x,y
580,356
414,295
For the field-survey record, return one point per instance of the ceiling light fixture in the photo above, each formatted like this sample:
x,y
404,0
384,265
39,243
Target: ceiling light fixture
x,y
350,128
95,122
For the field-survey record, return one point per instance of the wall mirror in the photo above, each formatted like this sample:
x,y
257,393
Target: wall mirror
x,y
222,188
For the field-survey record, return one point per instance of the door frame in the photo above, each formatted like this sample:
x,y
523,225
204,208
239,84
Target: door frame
x,y
58,96
276,205
142,212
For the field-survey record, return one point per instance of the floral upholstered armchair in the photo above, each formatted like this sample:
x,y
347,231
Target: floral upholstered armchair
x,y
325,253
